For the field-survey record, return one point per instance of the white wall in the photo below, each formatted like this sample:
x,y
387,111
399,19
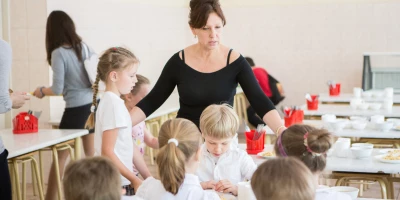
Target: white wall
x,y
302,43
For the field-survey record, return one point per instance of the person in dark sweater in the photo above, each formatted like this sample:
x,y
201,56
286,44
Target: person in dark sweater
x,y
206,73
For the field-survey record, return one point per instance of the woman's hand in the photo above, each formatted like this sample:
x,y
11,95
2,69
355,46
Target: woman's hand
x,y
226,186
37,93
18,99
208,185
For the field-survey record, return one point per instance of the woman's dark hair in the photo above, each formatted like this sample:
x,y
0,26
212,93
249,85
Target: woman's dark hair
x,y
60,30
201,9
250,61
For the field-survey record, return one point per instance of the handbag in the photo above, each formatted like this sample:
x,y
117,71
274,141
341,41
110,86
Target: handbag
x,y
90,64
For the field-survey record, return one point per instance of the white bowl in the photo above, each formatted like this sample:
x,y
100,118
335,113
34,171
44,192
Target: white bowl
x,y
358,118
338,124
328,117
351,191
375,106
378,94
363,106
359,125
384,126
366,94
361,152
363,145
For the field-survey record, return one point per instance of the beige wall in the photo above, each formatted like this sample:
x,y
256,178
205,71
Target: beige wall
x,y
29,70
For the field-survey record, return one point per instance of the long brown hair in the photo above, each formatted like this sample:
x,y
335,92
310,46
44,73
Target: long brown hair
x,y
92,178
171,157
201,9
114,58
60,30
319,142
283,178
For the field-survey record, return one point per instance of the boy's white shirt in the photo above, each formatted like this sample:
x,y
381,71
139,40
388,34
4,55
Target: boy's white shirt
x,y
153,189
235,165
324,193
112,114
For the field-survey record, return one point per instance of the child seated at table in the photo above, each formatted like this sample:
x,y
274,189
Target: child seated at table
x,y
93,178
222,165
310,145
177,161
283,178
140,135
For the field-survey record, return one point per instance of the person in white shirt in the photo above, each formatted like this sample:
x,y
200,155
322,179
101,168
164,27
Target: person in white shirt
x,y
222,164
283,178
117,68
310,145
177,161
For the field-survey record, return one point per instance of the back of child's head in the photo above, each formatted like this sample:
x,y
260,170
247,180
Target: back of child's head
x,y
141,80
307,143
92,178
219,121
113,59
179,140
283,178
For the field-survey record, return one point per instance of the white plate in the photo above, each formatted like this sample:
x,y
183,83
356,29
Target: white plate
x,y
397,128
267,157
380,158
385,151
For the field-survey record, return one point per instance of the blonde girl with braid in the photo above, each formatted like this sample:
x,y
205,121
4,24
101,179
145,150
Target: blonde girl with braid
x,y
177,161
113,125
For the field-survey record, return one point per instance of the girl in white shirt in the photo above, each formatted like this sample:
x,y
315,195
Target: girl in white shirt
x,y
309,145
177,162
222,165
140,134
117,68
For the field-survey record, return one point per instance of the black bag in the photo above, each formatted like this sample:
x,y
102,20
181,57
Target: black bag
x,y
277,91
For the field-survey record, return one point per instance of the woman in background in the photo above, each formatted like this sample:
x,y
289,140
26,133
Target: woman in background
x,y
65,54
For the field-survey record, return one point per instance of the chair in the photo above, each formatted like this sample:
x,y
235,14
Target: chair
x,y
13,162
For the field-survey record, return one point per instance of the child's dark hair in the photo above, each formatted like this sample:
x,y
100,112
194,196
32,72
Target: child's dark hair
x,y
307,143
113,59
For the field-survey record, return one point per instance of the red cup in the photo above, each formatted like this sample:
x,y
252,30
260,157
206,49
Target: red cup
x,y
296,117
254,146
290,120
25,123
334,91
312,105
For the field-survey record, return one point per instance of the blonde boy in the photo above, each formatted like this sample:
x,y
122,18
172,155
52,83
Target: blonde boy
x,y
223,165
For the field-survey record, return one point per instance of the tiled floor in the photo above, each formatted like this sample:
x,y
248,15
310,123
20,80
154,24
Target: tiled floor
x,y
372,192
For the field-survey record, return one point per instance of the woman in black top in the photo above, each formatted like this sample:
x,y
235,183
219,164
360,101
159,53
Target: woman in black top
x,y
207,73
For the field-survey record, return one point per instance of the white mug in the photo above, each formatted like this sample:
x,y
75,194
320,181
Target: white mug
x,y
342,147
245,192
389,92
357,92
355,102
387,104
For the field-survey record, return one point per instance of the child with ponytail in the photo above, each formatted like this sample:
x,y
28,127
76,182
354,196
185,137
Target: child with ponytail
x,y
177,161
310,145
117,68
